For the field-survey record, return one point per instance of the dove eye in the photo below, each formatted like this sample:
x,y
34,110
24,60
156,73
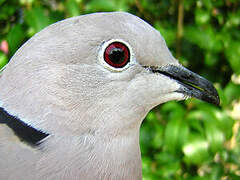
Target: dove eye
x,y
117,54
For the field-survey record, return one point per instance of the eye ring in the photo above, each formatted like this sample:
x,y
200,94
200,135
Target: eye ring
x,y
116,55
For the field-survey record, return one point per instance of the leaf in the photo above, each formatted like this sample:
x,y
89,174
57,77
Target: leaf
x,y
205,38
151,134
232,53
211,59
172,109
168,170
207,3
231,92
72,8
164,157
224,123
2,1
196,150
7,11
103,5
36,19
3,60
215,137
217,172
168,33
96,5
176,134
233,19
202,16
146,136
196,121
15,38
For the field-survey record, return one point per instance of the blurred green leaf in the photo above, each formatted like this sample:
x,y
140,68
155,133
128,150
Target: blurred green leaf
x,y
7,11
224,123
211,59
233,19
176,134
196,150
26,2
201,16
208,4
37,19
231,92
233,53
215,137
15,38
96,5
3,60
204,37
216,172
2,1
169,34
195,119
72,8
168,170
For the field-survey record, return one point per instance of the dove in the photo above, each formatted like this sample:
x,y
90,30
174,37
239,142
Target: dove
x,y
73,98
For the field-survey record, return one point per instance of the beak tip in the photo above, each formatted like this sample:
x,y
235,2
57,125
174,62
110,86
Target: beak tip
x,y
212,98
217,101
215,97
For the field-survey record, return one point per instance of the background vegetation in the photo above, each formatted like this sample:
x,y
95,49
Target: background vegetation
x,y
179,140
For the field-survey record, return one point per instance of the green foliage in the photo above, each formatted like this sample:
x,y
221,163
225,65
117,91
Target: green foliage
x,y
3,59
179,140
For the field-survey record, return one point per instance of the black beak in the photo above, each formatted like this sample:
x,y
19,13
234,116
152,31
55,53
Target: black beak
x,y
191,83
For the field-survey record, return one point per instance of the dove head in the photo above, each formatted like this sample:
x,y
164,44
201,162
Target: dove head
x,y
98,73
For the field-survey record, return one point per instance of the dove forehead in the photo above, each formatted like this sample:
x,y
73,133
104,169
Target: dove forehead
x,y
78,39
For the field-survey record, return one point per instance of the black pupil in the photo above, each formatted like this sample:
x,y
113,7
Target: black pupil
x,y
116,55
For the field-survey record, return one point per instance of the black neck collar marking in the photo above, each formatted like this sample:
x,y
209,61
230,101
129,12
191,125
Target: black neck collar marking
x,y
25,132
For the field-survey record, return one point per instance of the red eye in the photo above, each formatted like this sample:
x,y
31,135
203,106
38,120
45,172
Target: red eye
x,y
117,54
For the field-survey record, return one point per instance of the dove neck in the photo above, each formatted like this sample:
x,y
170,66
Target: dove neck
x,y
113,157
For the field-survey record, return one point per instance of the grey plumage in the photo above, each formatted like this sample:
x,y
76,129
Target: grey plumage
x,y
57,84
